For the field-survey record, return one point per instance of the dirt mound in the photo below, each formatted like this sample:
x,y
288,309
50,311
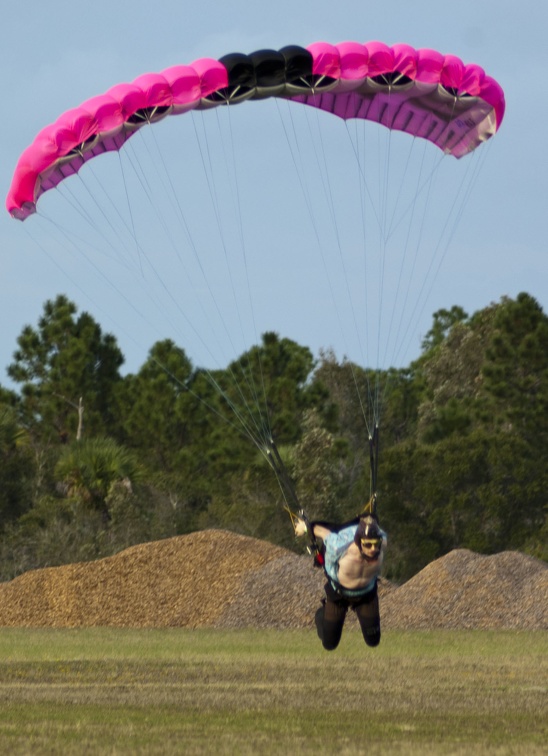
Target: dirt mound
x,y
185,581
219,579
283,593
467,590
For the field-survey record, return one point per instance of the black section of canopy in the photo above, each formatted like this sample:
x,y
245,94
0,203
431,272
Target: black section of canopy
x,y
270,68
265,73
298,63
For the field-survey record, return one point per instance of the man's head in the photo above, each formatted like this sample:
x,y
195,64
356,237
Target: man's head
x,y
368,537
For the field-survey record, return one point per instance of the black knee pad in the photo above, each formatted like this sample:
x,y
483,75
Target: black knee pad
x,y
372,636
331,635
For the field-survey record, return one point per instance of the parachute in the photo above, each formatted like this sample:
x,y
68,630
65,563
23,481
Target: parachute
x,y
431,97
420,92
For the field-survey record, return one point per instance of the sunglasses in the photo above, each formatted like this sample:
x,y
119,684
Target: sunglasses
x,y
373,544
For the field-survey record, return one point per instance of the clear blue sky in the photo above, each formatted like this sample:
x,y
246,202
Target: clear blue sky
x,y
56,54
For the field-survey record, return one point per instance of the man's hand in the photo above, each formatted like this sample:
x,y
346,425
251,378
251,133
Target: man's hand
x,y
300,527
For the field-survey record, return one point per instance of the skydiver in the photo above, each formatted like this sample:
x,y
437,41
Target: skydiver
x,y
353,554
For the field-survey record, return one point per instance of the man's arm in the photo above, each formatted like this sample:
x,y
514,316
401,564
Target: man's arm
x,y
320,529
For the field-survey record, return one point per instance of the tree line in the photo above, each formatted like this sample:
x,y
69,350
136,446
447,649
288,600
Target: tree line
x,y
93,461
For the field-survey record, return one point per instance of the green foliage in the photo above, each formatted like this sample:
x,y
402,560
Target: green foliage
x,y
318,467
270,382
474,474
89,470
52,533
444,321
16,466
174,448
515,371
66,358
149,405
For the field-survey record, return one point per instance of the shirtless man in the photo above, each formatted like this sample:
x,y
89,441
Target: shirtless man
x,y
353,555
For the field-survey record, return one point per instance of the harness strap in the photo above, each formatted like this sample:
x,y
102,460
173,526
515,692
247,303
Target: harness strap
x,y
349,593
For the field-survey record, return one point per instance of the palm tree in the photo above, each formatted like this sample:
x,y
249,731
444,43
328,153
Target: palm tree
x,y
89,469
16,468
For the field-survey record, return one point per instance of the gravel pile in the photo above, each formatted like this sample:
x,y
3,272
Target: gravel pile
x,y
506,591
186,581
219,579
283,593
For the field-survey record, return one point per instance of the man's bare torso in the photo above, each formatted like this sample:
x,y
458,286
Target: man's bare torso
x,y
355,571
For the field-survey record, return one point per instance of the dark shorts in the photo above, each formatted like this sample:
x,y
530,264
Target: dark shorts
x,y
331,615
336,595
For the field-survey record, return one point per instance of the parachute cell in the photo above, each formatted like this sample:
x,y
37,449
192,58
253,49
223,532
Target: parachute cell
x,y
421,92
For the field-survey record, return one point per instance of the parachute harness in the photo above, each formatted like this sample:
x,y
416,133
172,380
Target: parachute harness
x,y
292,504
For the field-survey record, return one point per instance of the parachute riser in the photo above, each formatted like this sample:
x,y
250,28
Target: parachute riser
x,y
292,506
272,455
374,468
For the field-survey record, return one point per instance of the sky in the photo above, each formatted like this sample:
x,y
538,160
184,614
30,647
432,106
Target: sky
x,y
55,55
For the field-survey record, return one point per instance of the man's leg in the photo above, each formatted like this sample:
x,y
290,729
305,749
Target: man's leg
x,y
329,622
369,619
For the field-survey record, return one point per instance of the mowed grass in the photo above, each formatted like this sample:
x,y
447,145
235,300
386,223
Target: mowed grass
x,y
113,691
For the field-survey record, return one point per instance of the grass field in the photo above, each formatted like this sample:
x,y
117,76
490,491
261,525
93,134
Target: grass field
x,y
113,691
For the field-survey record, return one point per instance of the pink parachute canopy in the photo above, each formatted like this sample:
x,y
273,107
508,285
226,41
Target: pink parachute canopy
x,y
421,92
